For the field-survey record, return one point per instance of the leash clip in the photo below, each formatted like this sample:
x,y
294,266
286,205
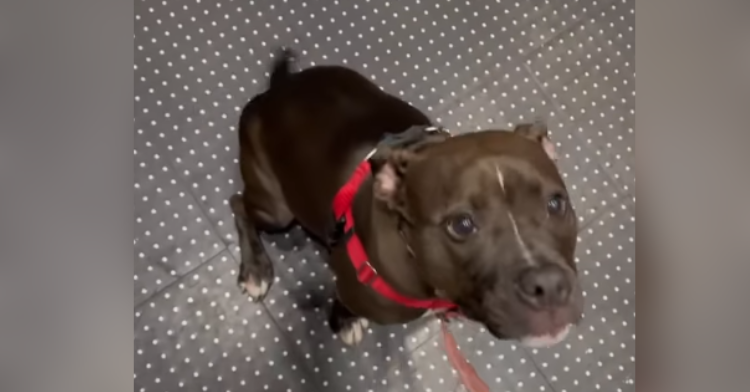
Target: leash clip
x,y
446,316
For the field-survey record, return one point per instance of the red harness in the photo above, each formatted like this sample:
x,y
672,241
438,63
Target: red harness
x,y
342,209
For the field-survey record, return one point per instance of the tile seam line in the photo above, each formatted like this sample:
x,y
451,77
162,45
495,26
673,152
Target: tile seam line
x,y
182,181
179,279
290,341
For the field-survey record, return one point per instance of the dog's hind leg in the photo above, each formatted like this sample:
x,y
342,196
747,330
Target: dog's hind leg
x,y
256,269
261,207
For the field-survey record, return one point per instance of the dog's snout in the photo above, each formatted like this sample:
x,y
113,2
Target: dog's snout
x,y
544,286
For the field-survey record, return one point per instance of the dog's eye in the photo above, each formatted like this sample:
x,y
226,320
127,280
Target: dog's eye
x,y
461,226
557,204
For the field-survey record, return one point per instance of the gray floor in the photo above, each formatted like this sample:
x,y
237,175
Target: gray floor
x,y
470,64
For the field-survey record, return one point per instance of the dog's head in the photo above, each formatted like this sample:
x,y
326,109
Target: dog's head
x,y
491,227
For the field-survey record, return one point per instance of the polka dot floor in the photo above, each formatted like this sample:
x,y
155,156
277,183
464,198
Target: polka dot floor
x,y
470,64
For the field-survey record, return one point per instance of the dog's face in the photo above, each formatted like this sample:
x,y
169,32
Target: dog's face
x,y
492,229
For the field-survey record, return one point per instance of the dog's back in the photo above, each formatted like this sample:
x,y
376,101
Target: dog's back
x,y
340,115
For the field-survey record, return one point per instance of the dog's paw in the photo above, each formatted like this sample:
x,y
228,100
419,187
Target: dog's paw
x,y
255,288
353,333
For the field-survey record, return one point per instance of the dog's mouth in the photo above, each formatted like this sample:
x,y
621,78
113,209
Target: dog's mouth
x,y
537,329
531,326
548,339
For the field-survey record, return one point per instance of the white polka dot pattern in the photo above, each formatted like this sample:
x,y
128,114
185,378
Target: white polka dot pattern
x,y
470,64
590,71
198,335
172,234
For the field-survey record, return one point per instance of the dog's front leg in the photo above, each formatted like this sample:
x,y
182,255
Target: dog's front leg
x,y
349,327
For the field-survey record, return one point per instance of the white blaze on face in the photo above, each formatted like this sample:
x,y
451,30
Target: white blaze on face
x,y
519,239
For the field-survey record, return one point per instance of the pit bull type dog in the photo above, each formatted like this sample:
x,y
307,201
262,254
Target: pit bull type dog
x,y
415,220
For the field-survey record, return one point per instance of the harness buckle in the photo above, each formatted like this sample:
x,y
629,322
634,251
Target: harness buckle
x,y
337,233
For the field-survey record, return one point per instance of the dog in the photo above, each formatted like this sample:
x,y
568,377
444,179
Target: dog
x,y
415,220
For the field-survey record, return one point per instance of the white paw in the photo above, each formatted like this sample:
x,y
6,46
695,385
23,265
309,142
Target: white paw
x,y
354,334
256,290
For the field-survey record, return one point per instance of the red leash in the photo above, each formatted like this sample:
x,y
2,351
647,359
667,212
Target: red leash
x,y
466,373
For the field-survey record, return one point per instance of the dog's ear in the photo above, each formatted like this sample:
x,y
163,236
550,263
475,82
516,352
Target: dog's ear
x,y
538,132
389,167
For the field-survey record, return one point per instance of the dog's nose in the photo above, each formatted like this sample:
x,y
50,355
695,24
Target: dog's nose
x,y
544,287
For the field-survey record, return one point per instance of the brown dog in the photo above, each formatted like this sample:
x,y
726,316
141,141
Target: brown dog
x,y
481,221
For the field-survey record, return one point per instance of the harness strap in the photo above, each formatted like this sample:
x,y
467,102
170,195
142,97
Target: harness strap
x,y
366,274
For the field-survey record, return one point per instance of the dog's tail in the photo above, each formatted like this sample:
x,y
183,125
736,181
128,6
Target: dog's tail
x,y
282,66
